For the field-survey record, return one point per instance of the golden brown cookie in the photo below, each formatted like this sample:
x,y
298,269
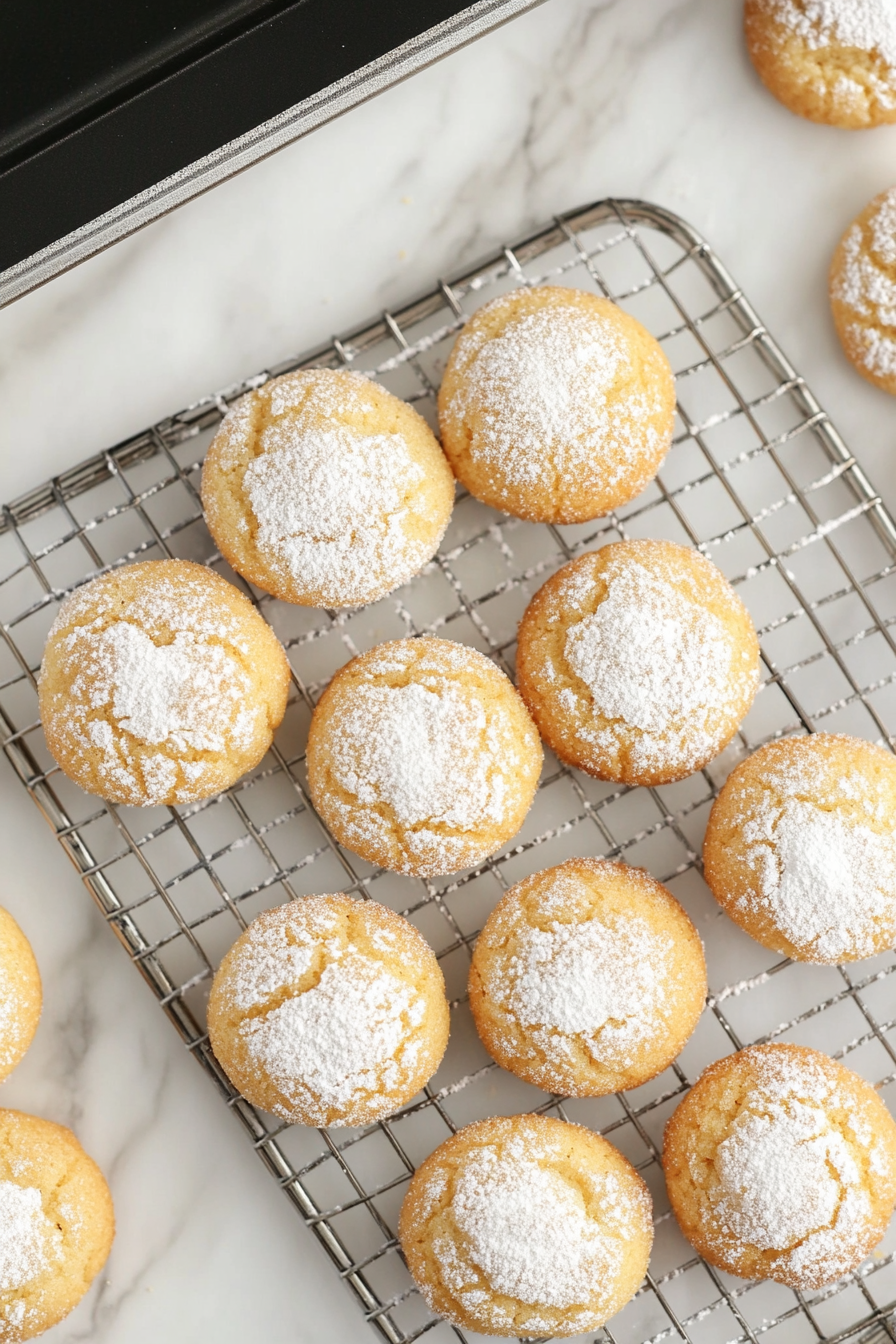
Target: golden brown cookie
x,y
422,757
526,1226
833,61
863,291
20,994
556,405
587,978
56,1224
160,683
325,490
638,662
329,1011
781,1164
800,848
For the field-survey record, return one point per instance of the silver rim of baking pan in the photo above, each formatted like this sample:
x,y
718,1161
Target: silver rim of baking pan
x,y
759,480
257,144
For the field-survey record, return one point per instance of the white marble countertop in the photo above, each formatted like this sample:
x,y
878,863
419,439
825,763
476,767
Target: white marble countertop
x,y
576,100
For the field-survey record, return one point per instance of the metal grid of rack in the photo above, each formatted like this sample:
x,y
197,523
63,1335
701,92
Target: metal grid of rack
x,y
760,481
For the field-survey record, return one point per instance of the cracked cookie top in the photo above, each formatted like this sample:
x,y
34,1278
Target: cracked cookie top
x,y
587,978
526,1225
325,489
800,847
422,757
556,405
781,1164
329,1011
160,683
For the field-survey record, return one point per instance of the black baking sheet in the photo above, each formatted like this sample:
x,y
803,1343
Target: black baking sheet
x,y
100,101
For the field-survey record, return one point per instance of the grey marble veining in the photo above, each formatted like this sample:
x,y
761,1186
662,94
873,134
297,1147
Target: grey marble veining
x,y
573,101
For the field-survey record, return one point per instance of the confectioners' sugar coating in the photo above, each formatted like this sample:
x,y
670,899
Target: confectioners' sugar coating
x,y
160,683
329,1011
20,994
833,61
56,1224
800,848
781,1164
587,978
863,291
324,489
638,662
526,1226
556,405
422,757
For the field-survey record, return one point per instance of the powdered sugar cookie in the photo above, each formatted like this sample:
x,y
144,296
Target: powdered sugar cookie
x,y
781,1164
329,1011
863,291
638,662
20,994
56,1224
526,1226
556,405
587,978
800,848
160,683
833,61
422,758
325,490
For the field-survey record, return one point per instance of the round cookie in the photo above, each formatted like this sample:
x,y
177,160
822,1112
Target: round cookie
x,y
325,490
638,662
800,848
422,758
832,61
556,405
20,994
863,291
329,1011
588,978
56,1224
781,1164
526,1226
160,683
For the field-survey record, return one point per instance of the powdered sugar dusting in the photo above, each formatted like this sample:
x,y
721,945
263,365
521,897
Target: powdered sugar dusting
x,y
600,980
869,25
788,1181
529,1231
431,761
323,996
866,284
345,1037
541,394
826,878
188,694
526,1232
26,1234
406,740
280,952
659,662
165,670
333,506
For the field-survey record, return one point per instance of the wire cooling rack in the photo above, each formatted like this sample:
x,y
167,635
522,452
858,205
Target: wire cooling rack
x,y
760,481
